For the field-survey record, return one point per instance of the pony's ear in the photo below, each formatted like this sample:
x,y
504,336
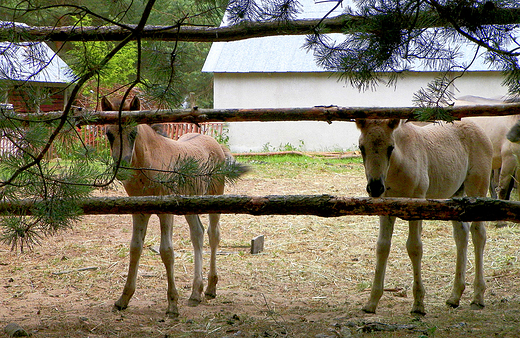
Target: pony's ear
x,y
361,123
106,105
393,123
135,104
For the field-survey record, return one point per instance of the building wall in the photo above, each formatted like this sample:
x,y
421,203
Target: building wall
x,y
37,98
289,90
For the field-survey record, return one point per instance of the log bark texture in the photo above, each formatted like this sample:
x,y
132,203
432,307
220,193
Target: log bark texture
x,y
319,113
464,209
246,30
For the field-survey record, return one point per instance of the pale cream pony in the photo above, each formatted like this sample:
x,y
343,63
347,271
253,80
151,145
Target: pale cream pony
x,y
505,153
440,160
151,155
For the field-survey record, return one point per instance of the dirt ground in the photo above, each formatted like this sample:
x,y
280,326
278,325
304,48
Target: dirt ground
x,y
310,281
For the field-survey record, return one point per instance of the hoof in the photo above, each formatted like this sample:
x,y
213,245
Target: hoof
x,y
417,312
193,302
367,309
501,224
172,314
118,307
210,295
452,304
477,306
418,309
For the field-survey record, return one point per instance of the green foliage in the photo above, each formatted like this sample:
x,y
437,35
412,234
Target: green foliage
x,y
85,56
290,166
432,100
283,147
52,184
171,71
190,176
433,114
54,189
223,137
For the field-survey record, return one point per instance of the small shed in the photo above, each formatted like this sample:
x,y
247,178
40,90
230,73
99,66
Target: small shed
x,y
33,78
276,72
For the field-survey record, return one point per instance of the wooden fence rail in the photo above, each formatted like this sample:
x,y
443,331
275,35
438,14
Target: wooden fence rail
x,y
321,205
318,113
464,209
94,136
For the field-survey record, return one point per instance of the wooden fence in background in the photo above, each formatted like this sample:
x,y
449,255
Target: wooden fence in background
x,y
94,136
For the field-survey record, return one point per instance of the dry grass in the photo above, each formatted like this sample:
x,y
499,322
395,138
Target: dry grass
x,y
310,281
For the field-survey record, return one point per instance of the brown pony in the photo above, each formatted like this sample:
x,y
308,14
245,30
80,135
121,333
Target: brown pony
x,y
151,155
435,161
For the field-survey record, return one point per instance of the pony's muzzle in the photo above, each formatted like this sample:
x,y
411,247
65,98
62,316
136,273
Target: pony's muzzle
x,y
125,161
375,188
122,170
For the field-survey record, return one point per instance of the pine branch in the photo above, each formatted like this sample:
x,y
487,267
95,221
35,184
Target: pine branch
x,y
245,30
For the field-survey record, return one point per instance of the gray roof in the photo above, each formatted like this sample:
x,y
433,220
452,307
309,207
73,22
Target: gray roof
x,y
30,61
285,53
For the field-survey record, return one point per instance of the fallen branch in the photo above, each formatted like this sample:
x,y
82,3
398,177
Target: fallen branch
x,y
464,209
89,268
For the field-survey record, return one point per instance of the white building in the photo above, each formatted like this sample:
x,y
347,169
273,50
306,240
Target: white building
x,y
32,77
275,72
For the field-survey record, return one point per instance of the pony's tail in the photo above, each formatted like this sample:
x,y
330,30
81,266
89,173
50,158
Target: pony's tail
x,y
239,169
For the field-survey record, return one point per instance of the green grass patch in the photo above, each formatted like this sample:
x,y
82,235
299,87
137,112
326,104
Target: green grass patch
x,y
289,166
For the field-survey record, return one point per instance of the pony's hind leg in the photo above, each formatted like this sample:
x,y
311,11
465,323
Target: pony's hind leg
x,y
214,240
460,234
197,239
167,256
140,224
478,235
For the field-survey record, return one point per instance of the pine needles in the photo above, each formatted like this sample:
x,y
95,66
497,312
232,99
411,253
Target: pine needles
x,y
53,184
188,176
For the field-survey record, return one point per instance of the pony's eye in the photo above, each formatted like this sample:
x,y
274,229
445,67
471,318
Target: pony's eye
x,y
362,149
110,137
389,151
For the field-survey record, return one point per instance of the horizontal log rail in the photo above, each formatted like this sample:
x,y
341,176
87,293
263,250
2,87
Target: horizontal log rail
x,y
464,209
318,113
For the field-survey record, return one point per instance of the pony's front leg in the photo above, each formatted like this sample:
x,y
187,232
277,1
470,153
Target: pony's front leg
x,y
478,235
386,228
197,239
461,234
214,240
140,224
167,256
415,251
